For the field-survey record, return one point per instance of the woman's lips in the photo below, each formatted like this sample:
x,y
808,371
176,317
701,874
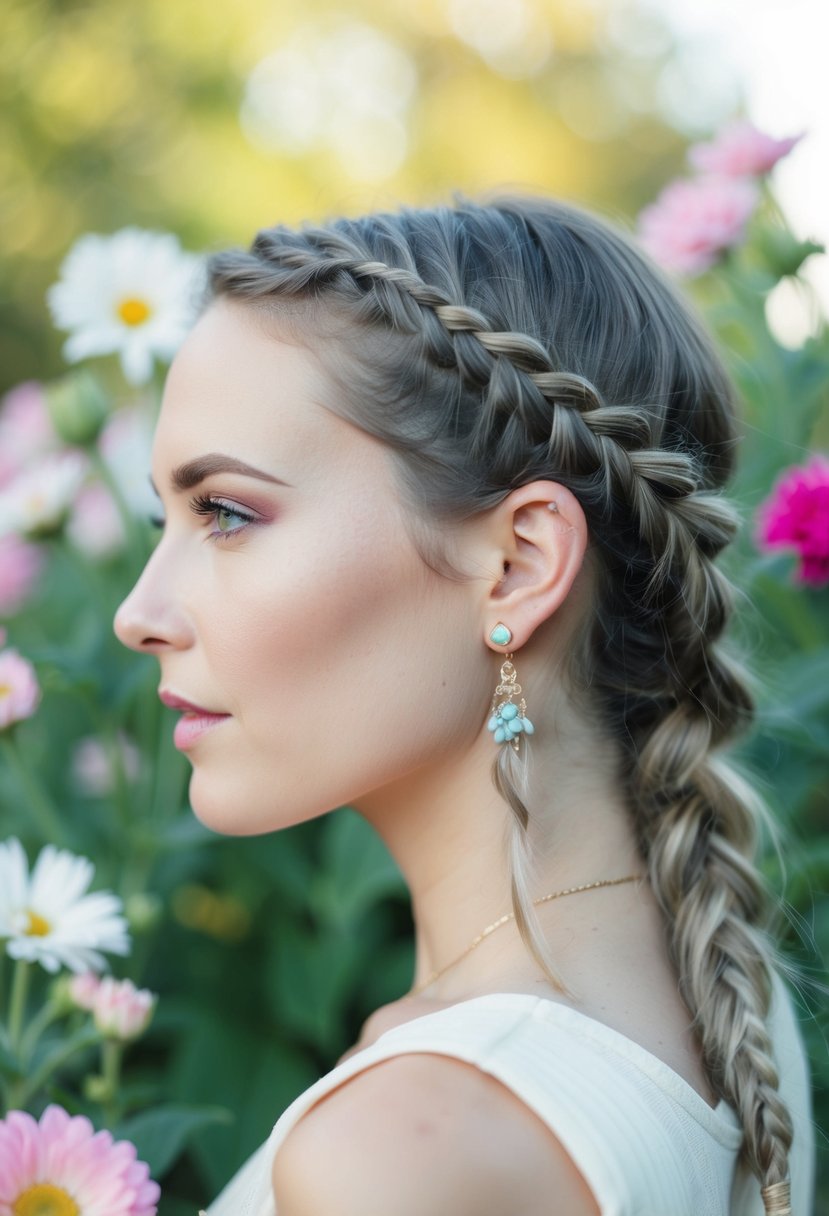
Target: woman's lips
x,y
194,721
192,725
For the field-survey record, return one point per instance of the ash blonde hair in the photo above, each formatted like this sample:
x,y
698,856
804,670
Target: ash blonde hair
x,y
492,343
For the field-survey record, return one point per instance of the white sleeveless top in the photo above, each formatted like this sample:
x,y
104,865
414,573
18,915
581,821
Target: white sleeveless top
x,y
645,1141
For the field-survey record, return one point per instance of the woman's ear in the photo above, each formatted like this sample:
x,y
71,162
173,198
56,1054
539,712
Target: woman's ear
x,y
539,537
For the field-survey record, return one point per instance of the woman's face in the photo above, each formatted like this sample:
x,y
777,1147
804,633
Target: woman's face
x,y
343,662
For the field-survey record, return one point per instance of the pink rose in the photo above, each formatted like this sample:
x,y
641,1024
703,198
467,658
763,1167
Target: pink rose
x,y
694,220
19,689
20,565
740,150
795,516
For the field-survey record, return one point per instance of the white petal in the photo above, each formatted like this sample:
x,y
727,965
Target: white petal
x,y
137,362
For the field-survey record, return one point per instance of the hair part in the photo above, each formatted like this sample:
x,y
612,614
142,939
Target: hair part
x,y
489,344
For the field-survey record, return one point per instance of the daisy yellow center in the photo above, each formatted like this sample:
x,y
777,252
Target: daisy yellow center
x,y
37,926
43,1199
5,690
134,311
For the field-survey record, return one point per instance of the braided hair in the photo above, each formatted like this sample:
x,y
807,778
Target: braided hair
x,y
492,343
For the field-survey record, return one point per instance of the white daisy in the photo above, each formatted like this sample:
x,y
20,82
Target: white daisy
x,y
133,293
47,917
36,501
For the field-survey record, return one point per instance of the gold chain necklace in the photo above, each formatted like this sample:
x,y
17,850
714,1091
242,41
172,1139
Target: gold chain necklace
x,y
589,886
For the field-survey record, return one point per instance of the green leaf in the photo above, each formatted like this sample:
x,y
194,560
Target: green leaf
x,y
358,870
161,1135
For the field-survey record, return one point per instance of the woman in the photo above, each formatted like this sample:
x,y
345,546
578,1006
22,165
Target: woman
x,y
442,495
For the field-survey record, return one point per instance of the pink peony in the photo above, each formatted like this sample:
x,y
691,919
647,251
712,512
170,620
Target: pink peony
x,y
19,689
796,516
20,565
740,150
62,1165
694,220
121,1011
26,429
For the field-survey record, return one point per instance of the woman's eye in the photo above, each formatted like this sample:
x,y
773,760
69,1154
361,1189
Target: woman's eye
x,y
224,513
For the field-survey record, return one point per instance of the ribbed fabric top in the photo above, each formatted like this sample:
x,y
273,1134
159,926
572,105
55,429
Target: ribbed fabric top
x,y
645,1141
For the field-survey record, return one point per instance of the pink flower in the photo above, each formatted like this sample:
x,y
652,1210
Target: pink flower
x,y
796,516
20,565
95,526
37,501
19,689
122,1011
740,150
694,220
26,429
92,766
61,1164
82,989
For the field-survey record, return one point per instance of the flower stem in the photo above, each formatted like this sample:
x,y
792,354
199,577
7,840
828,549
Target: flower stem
x,y
42,1019
22,1091
17,1002
132,528
40,803
111,1052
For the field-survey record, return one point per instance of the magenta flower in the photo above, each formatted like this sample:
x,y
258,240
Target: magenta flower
x,y
20,565
693,221
19,689
740,150
795,516
61,1165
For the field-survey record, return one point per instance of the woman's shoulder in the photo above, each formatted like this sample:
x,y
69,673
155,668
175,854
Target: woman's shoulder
x,y
420,1133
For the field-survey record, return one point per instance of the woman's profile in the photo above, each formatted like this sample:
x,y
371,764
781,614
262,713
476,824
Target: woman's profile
x,y
443,493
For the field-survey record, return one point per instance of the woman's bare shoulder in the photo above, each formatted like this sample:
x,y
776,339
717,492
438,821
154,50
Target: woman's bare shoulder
x,y
421,1133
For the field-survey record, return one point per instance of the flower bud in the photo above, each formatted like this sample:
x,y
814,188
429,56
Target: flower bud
x,y
78,408
97,1089
143,911
122,1011
83,989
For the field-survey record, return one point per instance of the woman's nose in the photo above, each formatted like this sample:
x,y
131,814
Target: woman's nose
x,y
151,618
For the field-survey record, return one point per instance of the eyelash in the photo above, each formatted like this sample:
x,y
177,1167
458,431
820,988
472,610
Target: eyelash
x,y
203,504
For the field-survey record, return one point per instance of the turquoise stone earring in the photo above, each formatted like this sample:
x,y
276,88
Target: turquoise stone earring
x,y
507,720
500,635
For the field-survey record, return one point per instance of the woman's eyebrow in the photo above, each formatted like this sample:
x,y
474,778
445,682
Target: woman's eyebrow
x,y
190,474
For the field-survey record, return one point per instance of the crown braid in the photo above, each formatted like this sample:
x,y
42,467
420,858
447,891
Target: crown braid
x,y
648,478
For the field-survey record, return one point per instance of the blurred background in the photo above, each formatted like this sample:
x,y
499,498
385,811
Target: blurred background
x,y
215,120
211,121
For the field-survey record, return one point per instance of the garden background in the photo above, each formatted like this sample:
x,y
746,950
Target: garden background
x,y
209,122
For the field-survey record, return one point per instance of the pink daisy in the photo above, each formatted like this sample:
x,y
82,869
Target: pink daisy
x,y
795,516
63,1167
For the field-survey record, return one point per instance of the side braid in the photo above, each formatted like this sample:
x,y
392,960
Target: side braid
x,y
666,690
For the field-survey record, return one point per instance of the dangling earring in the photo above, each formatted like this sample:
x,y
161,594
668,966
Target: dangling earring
x,y
508,720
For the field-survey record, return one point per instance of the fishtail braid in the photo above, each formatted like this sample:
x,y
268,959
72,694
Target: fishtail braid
x,y
520,324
